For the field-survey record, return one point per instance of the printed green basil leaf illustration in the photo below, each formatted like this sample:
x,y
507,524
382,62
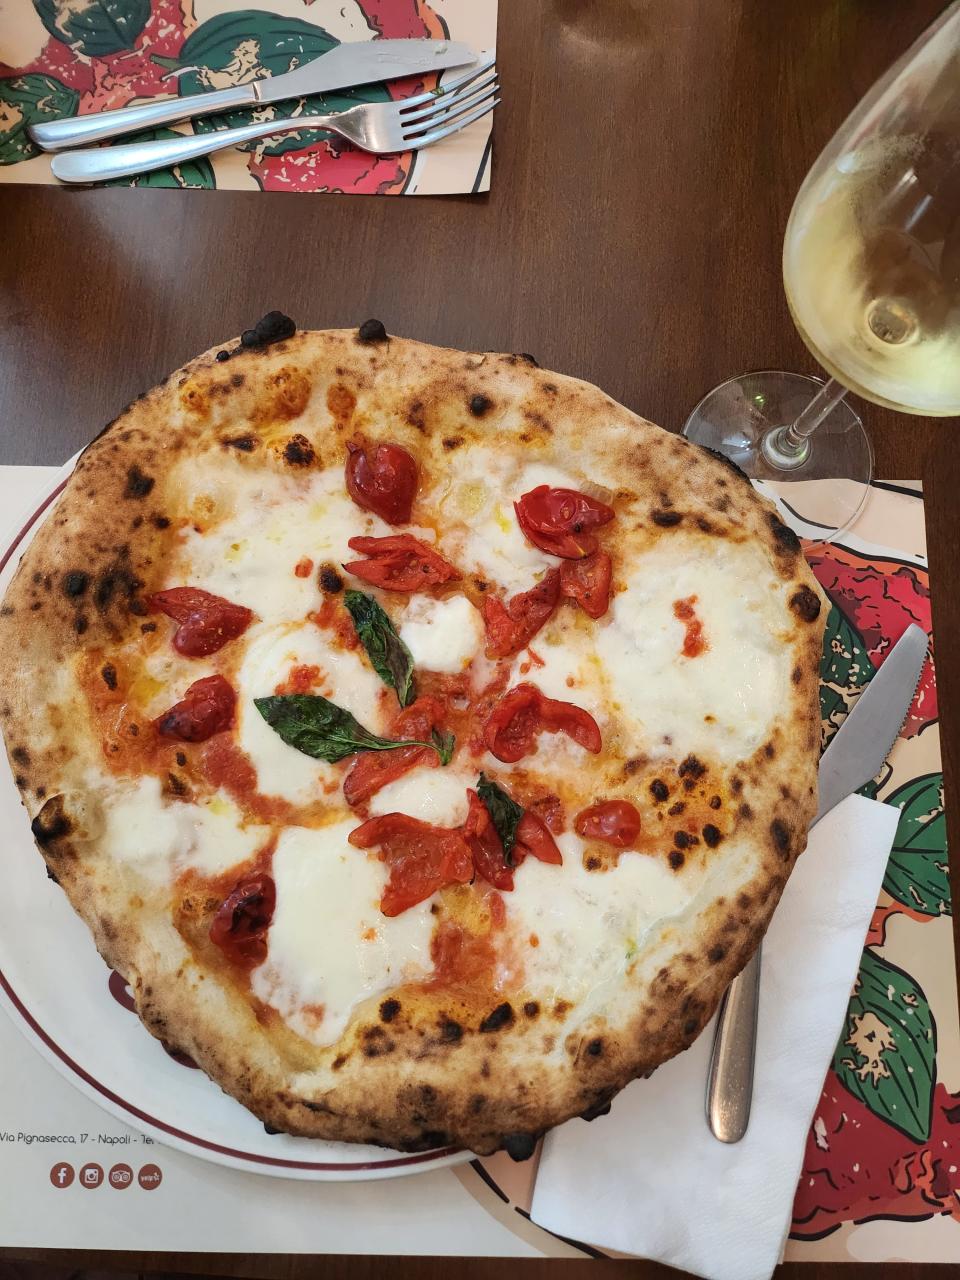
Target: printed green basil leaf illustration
x,y
389,656
844,670
25,100
195,173
235,48
887,1054
94,28
917,873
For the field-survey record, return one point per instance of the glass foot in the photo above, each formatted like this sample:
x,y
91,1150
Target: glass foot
x,y
734,418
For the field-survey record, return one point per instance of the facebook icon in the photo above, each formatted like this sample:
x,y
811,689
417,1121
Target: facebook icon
x,y
61,1175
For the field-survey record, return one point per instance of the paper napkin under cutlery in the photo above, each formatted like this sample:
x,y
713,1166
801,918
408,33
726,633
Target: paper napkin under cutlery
x,y
649,1178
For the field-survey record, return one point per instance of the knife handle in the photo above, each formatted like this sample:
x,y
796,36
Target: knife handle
x,y
730,1084
78,131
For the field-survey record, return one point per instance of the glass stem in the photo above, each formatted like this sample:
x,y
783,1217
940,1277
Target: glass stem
x,y
788,447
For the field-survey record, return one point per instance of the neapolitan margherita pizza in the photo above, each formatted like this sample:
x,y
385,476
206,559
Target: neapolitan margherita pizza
x,y
426,738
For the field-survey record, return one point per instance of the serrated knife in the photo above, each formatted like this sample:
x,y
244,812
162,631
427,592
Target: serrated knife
x,y
342,67
855,755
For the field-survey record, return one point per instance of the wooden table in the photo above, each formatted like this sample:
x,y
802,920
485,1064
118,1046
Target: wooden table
x,y
646,156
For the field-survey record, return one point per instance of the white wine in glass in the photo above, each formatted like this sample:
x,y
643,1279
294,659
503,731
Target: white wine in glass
x,y
871,266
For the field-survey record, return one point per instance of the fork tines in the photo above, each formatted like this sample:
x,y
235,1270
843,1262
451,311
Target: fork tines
x,y
431,116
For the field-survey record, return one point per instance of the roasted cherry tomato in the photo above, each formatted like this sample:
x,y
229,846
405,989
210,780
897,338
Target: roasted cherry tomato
x,y
206,621
399,562
486,846
240,926
534,839
614,822
523,713
205,709
561,520
383,480
422,858
510,627
587,582
375,769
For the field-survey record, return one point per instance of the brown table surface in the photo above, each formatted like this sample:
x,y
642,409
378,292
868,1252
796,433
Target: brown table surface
x,y
645,159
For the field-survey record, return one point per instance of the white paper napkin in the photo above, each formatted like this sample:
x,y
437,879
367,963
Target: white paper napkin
x,y
649,1178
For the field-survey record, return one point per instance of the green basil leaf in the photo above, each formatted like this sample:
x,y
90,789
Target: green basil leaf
x,y
391,659
319,728
504,812
443,743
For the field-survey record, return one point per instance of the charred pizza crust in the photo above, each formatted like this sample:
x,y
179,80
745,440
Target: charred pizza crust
x,y
418,1068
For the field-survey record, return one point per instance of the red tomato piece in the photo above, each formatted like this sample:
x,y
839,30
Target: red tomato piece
x,y
399,562
524,712
303,567
422,858
587,582
240,926
205,709
534,839
375,769
561,521
206,621
694,641
486,846
383,481
614,822
510,627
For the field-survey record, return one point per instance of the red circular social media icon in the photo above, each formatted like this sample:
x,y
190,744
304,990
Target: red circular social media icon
x,y
61,1175
120,1176
91,1175
150,1177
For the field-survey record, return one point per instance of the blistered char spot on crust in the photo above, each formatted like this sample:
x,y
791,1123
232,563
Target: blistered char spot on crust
x,y
418,1066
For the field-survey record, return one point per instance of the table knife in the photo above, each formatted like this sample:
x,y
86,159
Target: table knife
x,y
344,66
855,755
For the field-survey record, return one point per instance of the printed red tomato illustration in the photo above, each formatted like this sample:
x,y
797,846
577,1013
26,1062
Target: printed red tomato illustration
x,y
857,1167
879,599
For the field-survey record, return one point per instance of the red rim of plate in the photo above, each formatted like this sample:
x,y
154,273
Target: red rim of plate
x,y
395,1162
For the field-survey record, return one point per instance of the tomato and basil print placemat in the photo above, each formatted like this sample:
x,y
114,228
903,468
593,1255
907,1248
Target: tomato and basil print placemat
x,y
74,57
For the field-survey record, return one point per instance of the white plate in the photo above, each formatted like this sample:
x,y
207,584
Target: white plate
x,y
58,992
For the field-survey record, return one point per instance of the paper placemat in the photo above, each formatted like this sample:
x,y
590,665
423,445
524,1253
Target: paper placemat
x,y
881,1175
73,57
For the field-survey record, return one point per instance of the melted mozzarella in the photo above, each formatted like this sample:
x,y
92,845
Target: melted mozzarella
x,y
345,679
587,925
721,703
437,795
263,523
330,947
480,533
442,635
144,830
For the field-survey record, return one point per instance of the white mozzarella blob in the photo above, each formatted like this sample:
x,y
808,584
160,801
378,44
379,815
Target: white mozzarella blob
x,y
272,521
480,534
346,679
143,829
330,946
442,635
438,796
572,671
720,703
587,925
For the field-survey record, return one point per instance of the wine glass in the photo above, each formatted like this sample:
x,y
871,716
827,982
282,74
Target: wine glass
x,y
871,268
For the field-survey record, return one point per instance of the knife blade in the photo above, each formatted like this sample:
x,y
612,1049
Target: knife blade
x,y
344,66
856,754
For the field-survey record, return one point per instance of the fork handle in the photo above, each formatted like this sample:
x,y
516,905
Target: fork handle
x,y
101,126
100,164
730,1083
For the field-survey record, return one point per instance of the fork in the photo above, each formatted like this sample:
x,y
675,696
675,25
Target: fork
x,y
380,127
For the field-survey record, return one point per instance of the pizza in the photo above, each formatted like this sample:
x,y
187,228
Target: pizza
x,y
423,736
